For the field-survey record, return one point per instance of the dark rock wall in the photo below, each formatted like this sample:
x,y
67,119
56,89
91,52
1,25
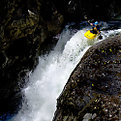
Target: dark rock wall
x,y
94,87
94,9
22,33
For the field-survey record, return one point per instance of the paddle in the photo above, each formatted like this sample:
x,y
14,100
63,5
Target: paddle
x,y
89,21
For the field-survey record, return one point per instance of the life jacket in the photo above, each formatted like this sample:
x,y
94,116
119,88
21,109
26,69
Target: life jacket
x,y
96,29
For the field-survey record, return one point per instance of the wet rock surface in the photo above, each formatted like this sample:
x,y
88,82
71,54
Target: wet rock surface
x,y
24,28
94,88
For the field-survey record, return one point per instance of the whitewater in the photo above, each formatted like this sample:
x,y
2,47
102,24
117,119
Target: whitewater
x,y
48,79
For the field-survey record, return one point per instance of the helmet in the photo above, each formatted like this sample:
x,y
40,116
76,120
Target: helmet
x,y
96,23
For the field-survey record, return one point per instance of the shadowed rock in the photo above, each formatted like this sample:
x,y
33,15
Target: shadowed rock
x,y
74,10
94,88
24,28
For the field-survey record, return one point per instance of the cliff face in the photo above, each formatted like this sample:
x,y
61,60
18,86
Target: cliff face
x,y
94,87
99,10
25,25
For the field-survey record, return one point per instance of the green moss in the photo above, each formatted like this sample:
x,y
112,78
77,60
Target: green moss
x,y
103,51
92,85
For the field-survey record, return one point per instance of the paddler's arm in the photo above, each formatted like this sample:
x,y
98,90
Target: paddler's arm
x,y
90,23
98,32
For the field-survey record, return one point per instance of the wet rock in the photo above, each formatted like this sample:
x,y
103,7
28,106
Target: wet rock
x,y
97,77
74,10
24,28
27,27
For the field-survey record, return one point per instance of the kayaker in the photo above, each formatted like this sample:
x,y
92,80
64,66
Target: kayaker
x,y
95,28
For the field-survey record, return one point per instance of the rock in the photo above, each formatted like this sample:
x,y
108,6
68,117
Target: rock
x,y
74,10
24,28
94,86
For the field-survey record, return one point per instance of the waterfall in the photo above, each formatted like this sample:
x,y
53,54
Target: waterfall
x,y
48,79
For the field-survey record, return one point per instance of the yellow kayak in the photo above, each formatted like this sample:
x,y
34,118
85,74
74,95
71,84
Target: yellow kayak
x,y
90,35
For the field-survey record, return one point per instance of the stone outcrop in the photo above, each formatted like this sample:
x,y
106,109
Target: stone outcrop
x,y
94,88
25,26
75,10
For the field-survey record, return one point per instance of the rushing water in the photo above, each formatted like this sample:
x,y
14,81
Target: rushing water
x,y
50,76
